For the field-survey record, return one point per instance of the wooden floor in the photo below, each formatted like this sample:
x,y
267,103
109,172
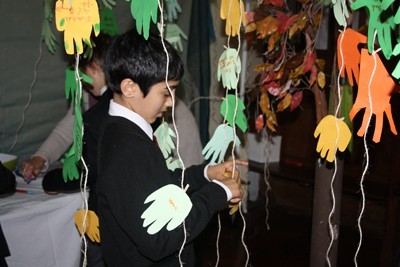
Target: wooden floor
x,y
286,243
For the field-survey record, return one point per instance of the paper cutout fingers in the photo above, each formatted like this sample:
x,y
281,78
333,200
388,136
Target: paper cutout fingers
x,y
91,224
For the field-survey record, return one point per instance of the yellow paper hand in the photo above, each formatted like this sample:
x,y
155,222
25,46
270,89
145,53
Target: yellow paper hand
x,y
330,139
77,21
233,12
91,224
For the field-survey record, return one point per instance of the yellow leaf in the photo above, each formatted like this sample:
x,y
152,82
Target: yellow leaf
x,y
234,208
321,79
293,29
285,102
320,63
294,74
251,27
271,121
263,67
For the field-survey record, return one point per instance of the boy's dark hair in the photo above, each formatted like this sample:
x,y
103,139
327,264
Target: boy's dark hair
x,y
143,61
97,52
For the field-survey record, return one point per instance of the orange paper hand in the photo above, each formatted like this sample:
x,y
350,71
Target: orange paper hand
x,y
381,89
333,134
77,22
233,12
351,54
91,224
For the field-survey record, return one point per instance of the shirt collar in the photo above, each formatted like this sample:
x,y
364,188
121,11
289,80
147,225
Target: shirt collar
x,y
121,111
103,89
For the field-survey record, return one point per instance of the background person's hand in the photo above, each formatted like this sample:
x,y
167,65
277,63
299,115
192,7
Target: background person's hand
x,y
32,167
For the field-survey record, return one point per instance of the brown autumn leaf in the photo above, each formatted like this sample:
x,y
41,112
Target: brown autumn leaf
x,y
284,21
264,103
284,103
273,88
321,79
296,73
293,29
309,60
272,40
303,1
264,67
251,27
320,63
301,20
295,61
278,3
267,26
271,121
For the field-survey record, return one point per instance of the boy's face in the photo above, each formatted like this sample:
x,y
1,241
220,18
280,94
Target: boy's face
x,y
157,101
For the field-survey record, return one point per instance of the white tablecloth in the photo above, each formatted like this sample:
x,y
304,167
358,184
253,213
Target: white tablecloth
x,y
39,228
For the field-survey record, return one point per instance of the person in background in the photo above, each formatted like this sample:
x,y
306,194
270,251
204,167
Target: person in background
x,y
131,166
61,138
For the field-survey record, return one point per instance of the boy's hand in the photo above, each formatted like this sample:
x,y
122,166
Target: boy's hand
x,y
32,167
218,172
235,187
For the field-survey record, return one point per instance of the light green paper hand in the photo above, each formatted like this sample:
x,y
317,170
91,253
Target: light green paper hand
x,y
219,143
143,11
333,134
173,164
173,8
164,136
340,11
174,35
375,7
70,169
229,67
227,110
171,205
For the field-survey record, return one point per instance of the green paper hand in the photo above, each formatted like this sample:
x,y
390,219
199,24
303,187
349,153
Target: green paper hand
x,y
143,11
219,143
78,122
171,205
77,22
328,136
164,136
173,164
70,169
71,85
229,67
340,11
108,22
375,7
228,111
174,35
173,8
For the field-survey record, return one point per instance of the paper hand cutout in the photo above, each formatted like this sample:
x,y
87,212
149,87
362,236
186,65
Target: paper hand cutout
x,y
71,85
232,11
351,54
174,35
108,22
219,143
77,22
171,205
173,8
91,224
142,11
328,136
229,67
384,29
164,136
228,111
340,11
381,89
173,164
69,168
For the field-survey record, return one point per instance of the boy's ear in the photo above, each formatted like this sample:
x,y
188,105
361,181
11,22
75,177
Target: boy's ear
x,y
129,88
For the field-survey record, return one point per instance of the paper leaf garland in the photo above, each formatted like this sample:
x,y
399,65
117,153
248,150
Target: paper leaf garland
x,y
108,22
174,35
219,143
91,224
143,11
173,8
351,54
164,136
228,108
328,133
229,67
70,169
233,12
77,21
383,28
170,205
381,89
340,11
71,85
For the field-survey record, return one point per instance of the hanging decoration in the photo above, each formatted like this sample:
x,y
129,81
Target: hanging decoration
x,y
144,12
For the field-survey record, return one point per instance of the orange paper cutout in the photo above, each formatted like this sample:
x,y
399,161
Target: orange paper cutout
x,y
381,89
351,54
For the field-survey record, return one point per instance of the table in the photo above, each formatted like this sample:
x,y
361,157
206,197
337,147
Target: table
x,y
39,228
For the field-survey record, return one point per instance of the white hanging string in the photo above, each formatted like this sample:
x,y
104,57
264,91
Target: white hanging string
x,y
366,154
161,29
29,97
267,176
